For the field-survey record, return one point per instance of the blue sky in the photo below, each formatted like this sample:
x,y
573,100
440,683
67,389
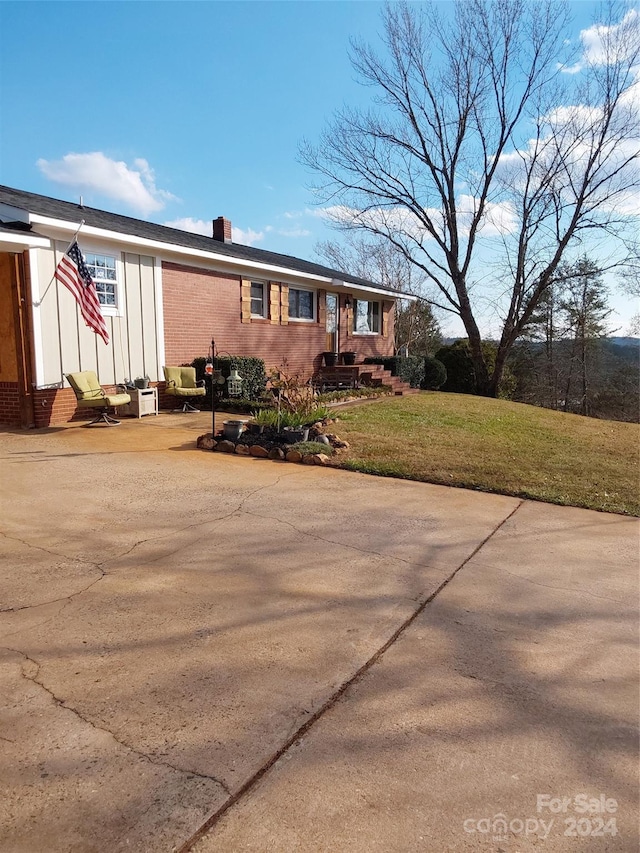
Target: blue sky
x,y
182,111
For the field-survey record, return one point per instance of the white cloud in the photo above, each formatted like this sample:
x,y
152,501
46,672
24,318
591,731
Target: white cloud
x,y
498,217
247,237
570,69
294,232
134,186
205,227
195,226
601,43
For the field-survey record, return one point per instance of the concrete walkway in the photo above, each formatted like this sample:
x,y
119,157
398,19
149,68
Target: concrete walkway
x,y
213,653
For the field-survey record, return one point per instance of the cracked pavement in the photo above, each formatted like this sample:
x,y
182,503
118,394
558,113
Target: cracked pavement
x,y
216,653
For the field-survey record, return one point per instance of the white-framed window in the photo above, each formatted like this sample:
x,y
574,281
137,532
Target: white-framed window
x,y
366,317
302,304
106,271
259,299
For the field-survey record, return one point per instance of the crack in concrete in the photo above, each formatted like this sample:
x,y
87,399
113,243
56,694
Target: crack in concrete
x,y
350,547
57,600
90,564
330,703
98,566
45,550
571,590
214,521
34,679
32,627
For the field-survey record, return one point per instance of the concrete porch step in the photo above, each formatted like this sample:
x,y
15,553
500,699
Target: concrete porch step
x,y
376,374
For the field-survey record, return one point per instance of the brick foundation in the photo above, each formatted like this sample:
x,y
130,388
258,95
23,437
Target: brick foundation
x,y
9,404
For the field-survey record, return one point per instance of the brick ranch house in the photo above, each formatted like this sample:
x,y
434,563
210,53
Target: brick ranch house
x,y
165,294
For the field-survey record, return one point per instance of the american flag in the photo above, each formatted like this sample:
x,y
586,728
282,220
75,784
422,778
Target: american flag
x,y
73,273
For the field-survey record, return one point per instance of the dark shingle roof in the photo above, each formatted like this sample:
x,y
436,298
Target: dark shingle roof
x,y
71,212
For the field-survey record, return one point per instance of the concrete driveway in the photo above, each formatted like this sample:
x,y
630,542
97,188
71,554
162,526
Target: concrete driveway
x,y
214,653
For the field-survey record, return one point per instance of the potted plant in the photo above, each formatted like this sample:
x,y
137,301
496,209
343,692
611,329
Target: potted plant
x,y
295,427
261,419
330,358
349,357
142,382
232,429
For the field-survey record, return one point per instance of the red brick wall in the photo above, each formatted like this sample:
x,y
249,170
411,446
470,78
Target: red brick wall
x,y
199,305
54,406
9,404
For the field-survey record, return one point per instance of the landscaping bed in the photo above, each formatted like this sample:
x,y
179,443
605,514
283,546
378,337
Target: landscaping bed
x,y
321,448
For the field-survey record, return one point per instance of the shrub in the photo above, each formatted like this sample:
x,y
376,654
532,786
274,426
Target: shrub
x,y
435,374
461,376
254,377
321,412
297,397
265,417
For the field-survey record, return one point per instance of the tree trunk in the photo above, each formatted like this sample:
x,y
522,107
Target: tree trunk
x,y
483,383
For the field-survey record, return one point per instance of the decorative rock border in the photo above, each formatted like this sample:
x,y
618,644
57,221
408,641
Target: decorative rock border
x,y
222,445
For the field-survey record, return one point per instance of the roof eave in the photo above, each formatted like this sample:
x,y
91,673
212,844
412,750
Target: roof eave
x,y
224,260
11,242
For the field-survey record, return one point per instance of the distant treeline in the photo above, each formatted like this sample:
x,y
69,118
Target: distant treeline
x,y
600,378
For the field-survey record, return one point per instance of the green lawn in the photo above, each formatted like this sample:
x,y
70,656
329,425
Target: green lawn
x,y
497,446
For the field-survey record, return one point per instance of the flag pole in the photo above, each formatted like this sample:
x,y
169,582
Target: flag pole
x,y
73,240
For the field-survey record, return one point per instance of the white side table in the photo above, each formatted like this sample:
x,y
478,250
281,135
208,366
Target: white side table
x,y
144,401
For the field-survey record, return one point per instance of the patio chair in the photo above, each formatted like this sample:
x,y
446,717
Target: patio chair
x,y
90,395
181,383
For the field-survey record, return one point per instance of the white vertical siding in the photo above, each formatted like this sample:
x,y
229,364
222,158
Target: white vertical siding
x,y
134,314
49,316
68,345
148,303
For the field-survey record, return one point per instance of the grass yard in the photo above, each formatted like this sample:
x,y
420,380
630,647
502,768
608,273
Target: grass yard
x,y
498,446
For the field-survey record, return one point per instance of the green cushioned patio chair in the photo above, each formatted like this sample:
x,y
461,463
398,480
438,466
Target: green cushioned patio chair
x,y
90,395
181,383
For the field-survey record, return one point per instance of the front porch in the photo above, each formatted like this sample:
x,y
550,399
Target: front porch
x,y
345,377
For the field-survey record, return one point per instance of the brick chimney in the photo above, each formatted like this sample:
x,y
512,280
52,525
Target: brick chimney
x,y
222,230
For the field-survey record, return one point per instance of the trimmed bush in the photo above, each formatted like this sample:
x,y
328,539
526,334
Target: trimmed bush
x,y
254,377
461,376
435,374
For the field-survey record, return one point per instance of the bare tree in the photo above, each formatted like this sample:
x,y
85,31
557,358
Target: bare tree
x,y
483,157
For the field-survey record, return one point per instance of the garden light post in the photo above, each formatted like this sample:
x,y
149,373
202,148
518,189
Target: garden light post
x,y
217,380
234,382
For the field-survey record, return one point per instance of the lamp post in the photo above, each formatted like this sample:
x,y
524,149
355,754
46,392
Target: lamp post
x,y
217,380
234,383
